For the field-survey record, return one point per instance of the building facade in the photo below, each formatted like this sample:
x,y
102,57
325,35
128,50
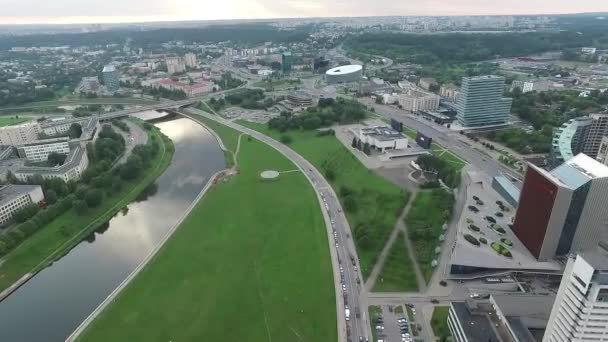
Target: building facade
x,y
415,101
481,103
72,169
562,211
602,154
39,151
19,134
175,65
449,91
15,197
111,79
583,134
190,60
580,309
286,62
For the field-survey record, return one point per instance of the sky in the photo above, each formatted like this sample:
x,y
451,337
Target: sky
x,y
120,11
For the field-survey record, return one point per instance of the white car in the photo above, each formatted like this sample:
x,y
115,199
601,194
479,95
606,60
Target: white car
x,y
344,287
474,295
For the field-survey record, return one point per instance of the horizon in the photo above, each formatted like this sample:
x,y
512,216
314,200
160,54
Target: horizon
x,y
30,12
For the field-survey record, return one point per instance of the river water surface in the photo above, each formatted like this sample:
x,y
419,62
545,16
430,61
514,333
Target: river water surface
x,y
53,303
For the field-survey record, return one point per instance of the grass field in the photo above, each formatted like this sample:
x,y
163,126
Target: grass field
x,y
12,120
397,274
439,322
70,228
250,263
373,205
430,210
374,311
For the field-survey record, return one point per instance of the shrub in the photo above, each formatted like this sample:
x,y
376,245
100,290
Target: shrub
x,y
25,213
483,240
474,228
472,240
286,139
506,242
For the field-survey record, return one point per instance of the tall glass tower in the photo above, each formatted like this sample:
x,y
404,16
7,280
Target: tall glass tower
x,y
481,102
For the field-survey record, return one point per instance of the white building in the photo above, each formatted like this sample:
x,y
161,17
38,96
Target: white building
x,y
190,60
416,100
19,134
39,151
580,310
382,138
531,85
15,197
73,167
175,65
589,50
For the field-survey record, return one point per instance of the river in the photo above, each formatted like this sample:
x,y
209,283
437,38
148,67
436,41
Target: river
x,y
54,302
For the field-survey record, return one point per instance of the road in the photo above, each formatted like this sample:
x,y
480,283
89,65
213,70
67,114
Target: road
x,y
335,221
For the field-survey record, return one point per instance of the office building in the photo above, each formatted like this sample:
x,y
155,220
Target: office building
x,y
481,103
39,151
580,310
583,134
531,85
73,167
286,62
111,79
175,65
190,60
563,211
506,318
19,134
15,197
416,100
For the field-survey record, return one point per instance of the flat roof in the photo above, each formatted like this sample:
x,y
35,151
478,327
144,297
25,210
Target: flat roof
x,y
508,186
477,327
383,133
109,68
71,161
344,70
9,192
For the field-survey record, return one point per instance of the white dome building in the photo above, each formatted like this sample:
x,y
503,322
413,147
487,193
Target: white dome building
x,y
344,74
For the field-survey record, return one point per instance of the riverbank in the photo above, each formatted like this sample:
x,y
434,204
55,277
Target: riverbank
x,y
67,230
250,263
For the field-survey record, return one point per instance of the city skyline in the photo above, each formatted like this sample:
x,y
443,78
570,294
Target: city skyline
x,y
96,11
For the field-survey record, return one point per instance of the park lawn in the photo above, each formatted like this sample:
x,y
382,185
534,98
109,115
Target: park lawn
x,y
68,229
250,263
424,221
378,202
439,322
229,137
12,120
443,153
397,274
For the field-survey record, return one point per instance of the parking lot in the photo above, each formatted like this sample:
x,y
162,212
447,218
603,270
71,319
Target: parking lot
x,y
393,324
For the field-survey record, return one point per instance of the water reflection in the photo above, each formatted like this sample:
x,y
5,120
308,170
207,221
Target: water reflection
x,y
57,299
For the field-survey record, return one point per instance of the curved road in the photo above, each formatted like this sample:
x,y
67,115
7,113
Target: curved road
x,y
346,272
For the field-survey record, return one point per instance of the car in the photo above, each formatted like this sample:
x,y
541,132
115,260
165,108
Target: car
x,y
344,287
474,295
402,320
379,327
337,246
434,301
490,219
443,283
355,267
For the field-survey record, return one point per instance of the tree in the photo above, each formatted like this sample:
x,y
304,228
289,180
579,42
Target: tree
x,y
286,139
51,196
55,158
75,131
93,198
25,213
80,206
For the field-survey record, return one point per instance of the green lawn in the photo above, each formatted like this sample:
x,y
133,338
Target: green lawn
x,y
70,228
250,263
439,322
430,210
397,274
372,203
12,120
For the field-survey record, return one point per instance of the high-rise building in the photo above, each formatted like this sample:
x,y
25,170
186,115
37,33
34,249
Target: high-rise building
x,y
563,211
175,65
111,79
582,134
481,103
581,306
286,62
190,60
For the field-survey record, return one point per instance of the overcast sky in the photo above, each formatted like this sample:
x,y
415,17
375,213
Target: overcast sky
x,y
104,11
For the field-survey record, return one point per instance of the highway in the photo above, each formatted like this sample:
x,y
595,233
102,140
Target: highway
x,y
346,270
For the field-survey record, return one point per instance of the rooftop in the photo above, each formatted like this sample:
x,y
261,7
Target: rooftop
x,y
109,68
71,161
382,133
9,192
476,327
345,69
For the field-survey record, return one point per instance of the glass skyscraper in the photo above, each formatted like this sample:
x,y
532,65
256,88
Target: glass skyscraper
x,y
481,102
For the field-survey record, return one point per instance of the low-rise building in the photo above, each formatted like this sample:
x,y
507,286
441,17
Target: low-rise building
x,y
527,86
382,138
299,98
39,151
416,100
189,89
73,167
15,197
